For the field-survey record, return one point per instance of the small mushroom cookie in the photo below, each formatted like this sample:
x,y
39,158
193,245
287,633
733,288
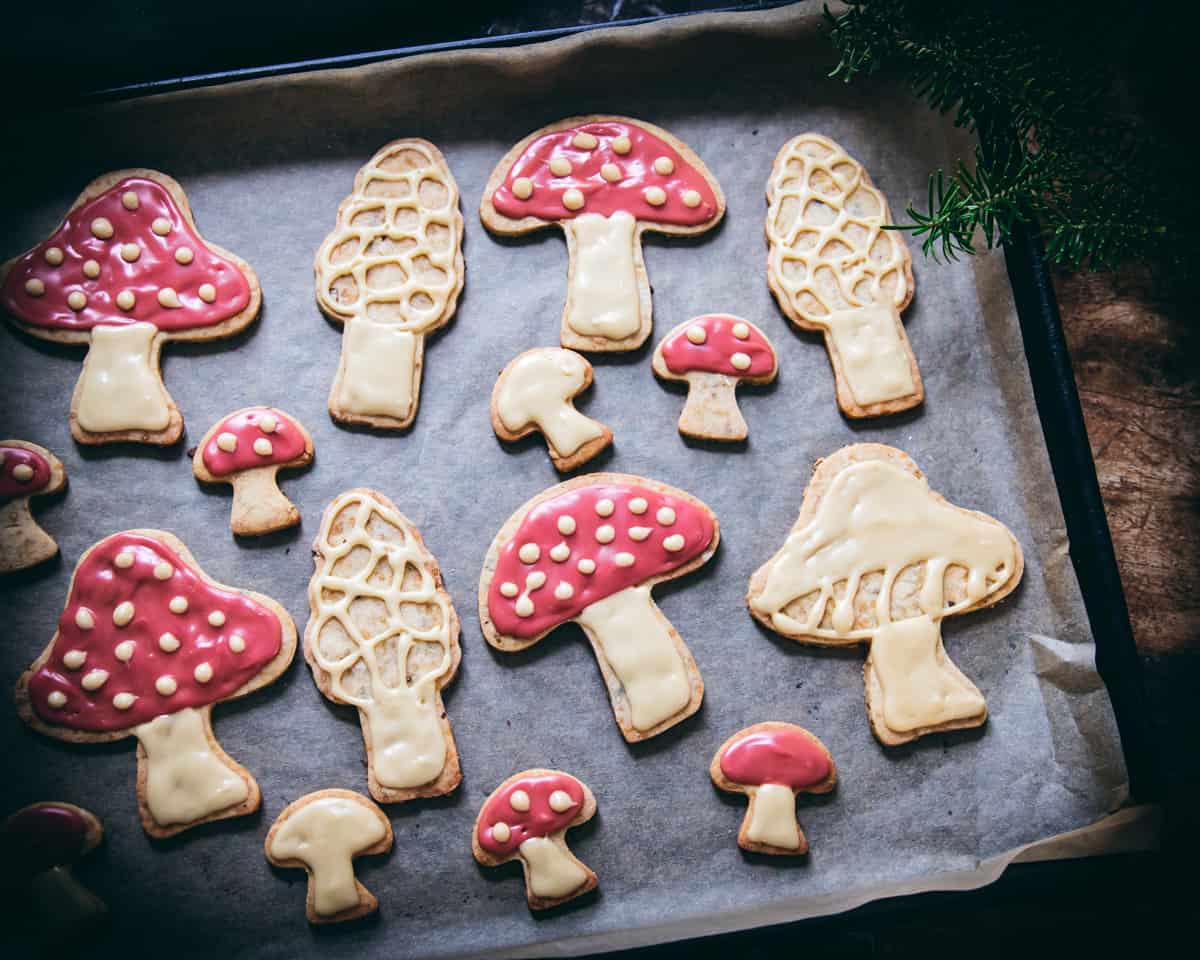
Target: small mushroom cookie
x,y
534,393
247,449
390,272
322,833
125,272
771,763
146,645
834,269
589,551
526,818
26,470
713,354
605,181
902,559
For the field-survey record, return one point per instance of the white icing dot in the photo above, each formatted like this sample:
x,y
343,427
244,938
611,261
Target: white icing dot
x,y
584,141
524,607
655,196
102,228
184,255
91,269
167,297
22,473
560,801
124,559
611,172
697,334
560,552
691,199
560,167
664,166
94,679
130,252
216,619
519,801
586,566
740,361
123,614
535,581
54,256
166,685
208,293
163,571
605,533
622,144
638,505
124,650
237,643
123,701
566,525
129,200
573,199
564,591
227,441
77,300
674,543
203,672
639,533
624,559
267,423
74,659
34,287
57,699
522,188
161,226
84,619
500,832
126,299
605,507
529,553
509,589
741,330
178,604
262,446
168,642
665,516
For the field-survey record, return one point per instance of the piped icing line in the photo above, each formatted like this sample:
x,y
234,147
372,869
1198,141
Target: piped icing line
x,y
243,442
718,343
22,471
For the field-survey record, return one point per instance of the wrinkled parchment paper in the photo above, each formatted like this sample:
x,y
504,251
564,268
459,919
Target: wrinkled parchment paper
x,y
265,165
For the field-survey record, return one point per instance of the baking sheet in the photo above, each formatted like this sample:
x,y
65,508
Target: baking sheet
x,y
265,164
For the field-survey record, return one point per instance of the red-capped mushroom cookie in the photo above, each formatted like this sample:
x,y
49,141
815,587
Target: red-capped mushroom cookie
x,y
771,763
26,470
247,449
526,818
125,272
146,645
605,181
713,354
589,551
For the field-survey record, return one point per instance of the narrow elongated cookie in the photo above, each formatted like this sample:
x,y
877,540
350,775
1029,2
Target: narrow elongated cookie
x,y
390,272
589,551
877,557
124,273
26,471
382,636
146,645
834,269
605,181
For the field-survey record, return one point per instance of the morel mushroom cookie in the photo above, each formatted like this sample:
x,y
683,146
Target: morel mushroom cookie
x,y
526,818
146,645
125,272
605,181
26,471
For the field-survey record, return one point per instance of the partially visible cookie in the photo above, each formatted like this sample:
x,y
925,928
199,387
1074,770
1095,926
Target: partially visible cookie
x,y
26,471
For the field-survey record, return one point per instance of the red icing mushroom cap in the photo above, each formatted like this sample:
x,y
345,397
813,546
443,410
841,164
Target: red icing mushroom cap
x,y
22,471
261,437
586,544
784,756
144,634
42,836
538,819
718,343
131,240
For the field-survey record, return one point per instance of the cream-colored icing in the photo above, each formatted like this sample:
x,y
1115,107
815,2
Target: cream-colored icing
x,y
874,359
537,389
773,816
119,388
603,298
378,372
553,872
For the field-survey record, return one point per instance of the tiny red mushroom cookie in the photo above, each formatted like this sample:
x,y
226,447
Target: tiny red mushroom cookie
x,y
771,763
125,272
146,645
589,551
605,181
26,470
526,818
247,449
713,354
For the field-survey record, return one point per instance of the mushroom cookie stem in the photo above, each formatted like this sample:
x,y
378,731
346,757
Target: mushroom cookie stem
x,y
606,279
711,410
120,386
26,471
259,506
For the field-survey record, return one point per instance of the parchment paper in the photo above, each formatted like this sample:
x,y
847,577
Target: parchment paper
x,y
265,165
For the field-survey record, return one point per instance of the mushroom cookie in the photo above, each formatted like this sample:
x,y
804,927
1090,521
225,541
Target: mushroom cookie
x,y
712,355
382,636
534,393
146,645
590,550
526,818
605,181
390,273
834,269
125,272
322,833
771,763
247,449
26,471
877,557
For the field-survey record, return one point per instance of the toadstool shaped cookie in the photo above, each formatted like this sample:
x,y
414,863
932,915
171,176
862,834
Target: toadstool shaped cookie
x,y
878,557
390,272
589,551
382,636
146,645
834,269
322,833
247,449
771,763
534,392
712,355
124,273
526,818
605,181
26,470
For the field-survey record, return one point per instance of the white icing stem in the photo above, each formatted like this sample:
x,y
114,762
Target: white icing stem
x,y
120,387
876,357
711,410
378,370
406,745
62,900
20,538
771,818
605,288
258,504
567,429
553,870
335,888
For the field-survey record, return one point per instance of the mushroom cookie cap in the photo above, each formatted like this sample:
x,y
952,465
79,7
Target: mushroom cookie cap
x,y
46,835
718,343
252,438
775,753
22,471
529,807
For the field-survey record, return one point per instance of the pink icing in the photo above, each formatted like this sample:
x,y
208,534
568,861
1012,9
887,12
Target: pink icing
x,y
713,355
43,836
100,586
791,757
600,196
155,268
14,457
287,442
540,820
540,527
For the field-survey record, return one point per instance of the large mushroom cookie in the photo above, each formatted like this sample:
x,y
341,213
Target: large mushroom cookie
x,y
877,557
589,551
125,272
390,272
605,181
834,269
146,645
382,636
526,818
247,449
771,763
26,470
712,355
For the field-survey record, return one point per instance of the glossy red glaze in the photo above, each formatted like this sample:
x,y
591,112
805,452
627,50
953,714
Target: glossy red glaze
x,y
13,457
42,836
788,757
287,442
713,355
538,821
